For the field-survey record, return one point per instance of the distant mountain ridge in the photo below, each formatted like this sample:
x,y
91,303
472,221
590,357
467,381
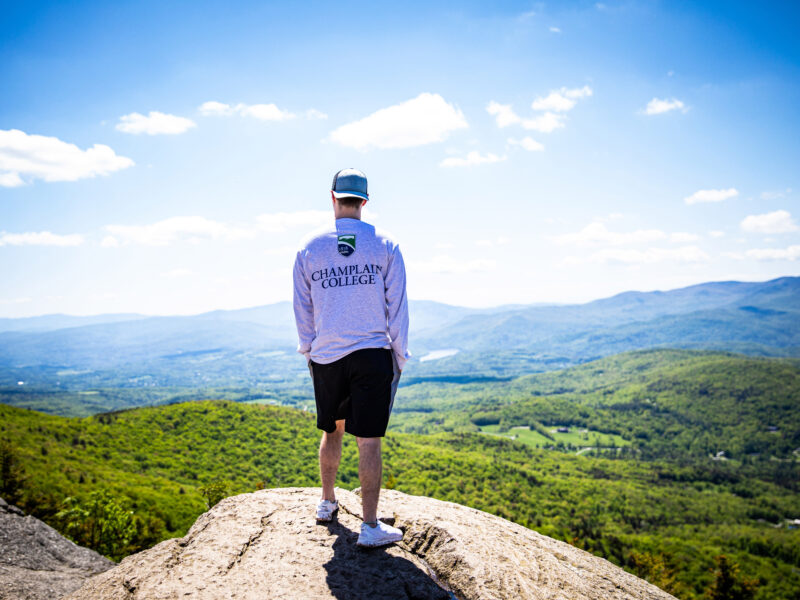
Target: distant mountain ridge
x,y
256,346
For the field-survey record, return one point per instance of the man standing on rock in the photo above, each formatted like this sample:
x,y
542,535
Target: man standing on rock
x,y
352,319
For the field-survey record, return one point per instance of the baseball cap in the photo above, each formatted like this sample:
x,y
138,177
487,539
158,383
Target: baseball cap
x,y
350,182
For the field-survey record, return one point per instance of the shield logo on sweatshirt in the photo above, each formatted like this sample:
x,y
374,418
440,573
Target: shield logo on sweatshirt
x,y
347,244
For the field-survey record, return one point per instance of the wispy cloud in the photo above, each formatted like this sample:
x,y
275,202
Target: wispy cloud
x,y
40,238
598,234
555,30
561,100
775,194
503,114
682,237
790,253
658,106
313,113
527,143
155,123
426,119
262,112
444,263
554,105
544,123
176,273
187,229
194,229
17,300
471,159
283,221
779,221
631,256
48,158
711,196
491,243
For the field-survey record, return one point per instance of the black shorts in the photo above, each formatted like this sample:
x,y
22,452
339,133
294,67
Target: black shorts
x,y
359,388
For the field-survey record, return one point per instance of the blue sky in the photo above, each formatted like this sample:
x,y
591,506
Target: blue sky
x,y
166,158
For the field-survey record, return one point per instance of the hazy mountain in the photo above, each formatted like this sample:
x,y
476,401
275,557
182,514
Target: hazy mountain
x,y
254,345
58,321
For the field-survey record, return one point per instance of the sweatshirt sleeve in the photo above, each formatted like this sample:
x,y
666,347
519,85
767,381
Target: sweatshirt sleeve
x,y
303,308
397,306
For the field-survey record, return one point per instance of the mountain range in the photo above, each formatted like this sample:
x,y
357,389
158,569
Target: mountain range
x,y
256,346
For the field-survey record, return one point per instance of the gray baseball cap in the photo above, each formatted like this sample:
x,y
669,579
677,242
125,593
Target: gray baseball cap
x,y
350,182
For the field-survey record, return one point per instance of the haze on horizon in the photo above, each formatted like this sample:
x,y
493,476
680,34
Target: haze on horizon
x,y
166,159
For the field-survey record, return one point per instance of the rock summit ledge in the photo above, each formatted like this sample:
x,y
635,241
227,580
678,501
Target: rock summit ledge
x,y
267,544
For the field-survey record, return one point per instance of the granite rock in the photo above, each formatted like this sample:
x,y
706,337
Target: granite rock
x,y
267,544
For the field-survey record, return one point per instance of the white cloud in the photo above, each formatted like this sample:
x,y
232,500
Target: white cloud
x,y
657,106
544,123
597,234
189,229
716,233
212,109
447,264
281,251
176,273
682,237
711,196
426,119
775,194
503,113
283,221
790,253
313,113
498,241
194,229
555,30
528,143
471,159
18,300
779,221
265,112
561,100
40,238
554,104
262,112
50,159
155,123
631,256
10,180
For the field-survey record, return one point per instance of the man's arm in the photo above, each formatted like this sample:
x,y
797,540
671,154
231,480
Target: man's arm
x,y
397,306
303,308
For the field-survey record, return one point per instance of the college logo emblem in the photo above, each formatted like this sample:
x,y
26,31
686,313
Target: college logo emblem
x,y
347,244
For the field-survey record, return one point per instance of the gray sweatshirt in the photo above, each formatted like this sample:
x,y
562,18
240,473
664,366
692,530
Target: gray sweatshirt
x,y
350,293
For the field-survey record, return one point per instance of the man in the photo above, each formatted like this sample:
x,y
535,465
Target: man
x,y
352,319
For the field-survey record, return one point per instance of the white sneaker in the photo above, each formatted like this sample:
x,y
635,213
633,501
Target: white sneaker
x,y
326,509
380,535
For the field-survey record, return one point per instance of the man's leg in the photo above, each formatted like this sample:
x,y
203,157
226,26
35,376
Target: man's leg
x,y
369,472
330,453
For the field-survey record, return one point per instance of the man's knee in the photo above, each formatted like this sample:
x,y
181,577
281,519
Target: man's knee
x,y
369,444
336,434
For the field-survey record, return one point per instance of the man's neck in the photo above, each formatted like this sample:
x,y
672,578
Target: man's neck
x,y
356,216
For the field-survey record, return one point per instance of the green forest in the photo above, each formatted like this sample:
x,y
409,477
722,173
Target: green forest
x,y
680,466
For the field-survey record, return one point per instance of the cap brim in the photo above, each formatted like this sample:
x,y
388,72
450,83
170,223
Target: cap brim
x,y
350,195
